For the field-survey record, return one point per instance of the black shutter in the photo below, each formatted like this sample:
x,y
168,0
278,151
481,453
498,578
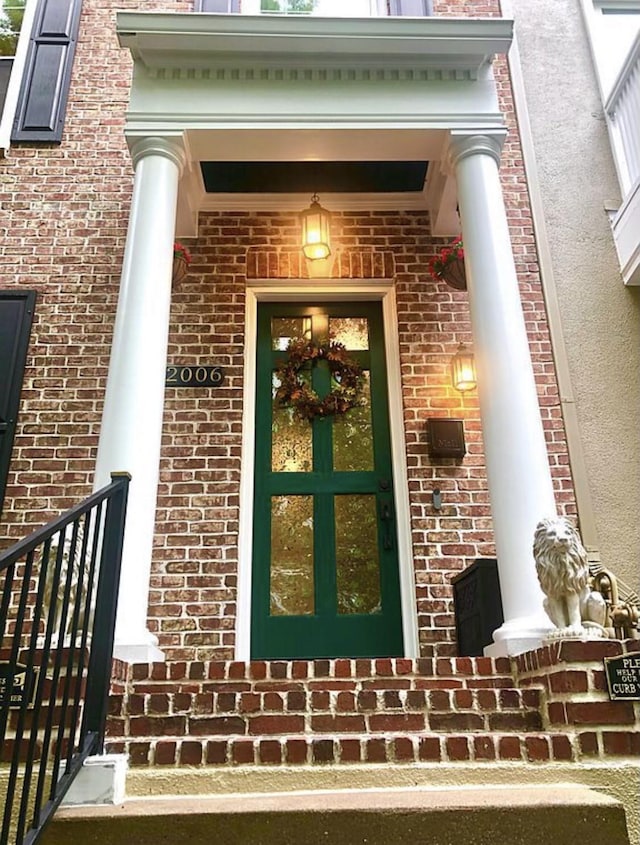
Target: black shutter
x,y
412,8
45,84
16,314
226,6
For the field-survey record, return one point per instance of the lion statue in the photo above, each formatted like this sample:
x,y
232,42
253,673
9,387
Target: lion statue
x,y
563,572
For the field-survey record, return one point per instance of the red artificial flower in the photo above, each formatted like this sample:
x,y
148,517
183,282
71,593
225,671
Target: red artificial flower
x,y
447,255
180,249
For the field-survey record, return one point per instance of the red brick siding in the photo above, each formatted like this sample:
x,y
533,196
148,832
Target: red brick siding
x,y
193,584
64,229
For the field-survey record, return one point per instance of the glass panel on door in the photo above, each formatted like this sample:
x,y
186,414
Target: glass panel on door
x,y
291,555
357,558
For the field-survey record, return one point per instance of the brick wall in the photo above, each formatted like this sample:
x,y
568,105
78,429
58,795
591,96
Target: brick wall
x,y
63,233
577,701
194,579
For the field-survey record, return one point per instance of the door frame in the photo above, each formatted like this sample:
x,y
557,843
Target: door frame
x,y
303,290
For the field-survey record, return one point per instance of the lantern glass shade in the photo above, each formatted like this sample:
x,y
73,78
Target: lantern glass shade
x,y
315,230
463,370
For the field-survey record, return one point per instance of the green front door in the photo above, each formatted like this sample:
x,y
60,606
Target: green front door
x,y
325,562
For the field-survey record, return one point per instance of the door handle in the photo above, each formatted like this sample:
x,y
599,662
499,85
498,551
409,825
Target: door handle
x,y
386,517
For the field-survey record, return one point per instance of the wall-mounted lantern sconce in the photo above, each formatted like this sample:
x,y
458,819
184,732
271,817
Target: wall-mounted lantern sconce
x,y
463,370
315,230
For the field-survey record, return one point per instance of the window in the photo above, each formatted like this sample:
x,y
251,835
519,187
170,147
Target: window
x,y
323,8
11,15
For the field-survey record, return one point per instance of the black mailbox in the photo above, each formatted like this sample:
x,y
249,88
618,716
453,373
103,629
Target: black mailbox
x,y
478,606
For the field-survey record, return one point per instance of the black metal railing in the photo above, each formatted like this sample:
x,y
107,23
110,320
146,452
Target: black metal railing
x,y
57,619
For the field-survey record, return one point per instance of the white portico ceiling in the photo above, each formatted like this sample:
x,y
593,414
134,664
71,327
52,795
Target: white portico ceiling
x,y
272,89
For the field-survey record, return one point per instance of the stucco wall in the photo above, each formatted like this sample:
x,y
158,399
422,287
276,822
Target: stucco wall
x,y
600,317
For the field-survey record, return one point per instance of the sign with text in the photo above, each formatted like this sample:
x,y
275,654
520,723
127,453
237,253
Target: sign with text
x,y
445,438
200,375
16,684
623,677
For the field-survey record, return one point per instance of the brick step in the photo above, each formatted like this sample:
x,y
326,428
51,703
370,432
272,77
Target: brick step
x,y
337,697
9,744
391,747
425,673
322,711
40,717
432,673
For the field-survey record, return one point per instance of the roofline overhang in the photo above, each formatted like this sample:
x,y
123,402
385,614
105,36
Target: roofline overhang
x,y
205,40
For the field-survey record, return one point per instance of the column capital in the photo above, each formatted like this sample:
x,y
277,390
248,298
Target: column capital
x,y
171,147
463,144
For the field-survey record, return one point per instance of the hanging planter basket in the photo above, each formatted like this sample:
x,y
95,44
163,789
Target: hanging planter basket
x,y
448,265
180,268
181,261
454,275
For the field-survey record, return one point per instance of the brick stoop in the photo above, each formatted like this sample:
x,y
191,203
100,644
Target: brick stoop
x,y
548,705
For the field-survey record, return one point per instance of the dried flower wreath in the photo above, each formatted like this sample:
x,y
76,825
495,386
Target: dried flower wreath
x,y
294,393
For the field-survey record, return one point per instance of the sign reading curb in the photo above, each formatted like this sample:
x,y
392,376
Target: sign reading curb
x,y
16,684
623,677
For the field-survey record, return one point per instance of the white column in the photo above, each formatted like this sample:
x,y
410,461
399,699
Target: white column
x,y
520,486
134,401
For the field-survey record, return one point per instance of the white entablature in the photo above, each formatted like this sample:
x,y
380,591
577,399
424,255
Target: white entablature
x,y
242,88
161,39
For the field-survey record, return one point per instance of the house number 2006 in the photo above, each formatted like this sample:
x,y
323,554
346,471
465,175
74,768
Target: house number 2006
x,y
201,376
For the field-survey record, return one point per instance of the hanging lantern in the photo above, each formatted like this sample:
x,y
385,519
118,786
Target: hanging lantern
x,y
463,370
315,230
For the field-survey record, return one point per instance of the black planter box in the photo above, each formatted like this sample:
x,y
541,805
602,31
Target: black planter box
x,y
478,606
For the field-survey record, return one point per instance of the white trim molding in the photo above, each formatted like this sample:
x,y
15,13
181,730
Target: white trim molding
x,y
626,232
15,80
296,290
618,72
